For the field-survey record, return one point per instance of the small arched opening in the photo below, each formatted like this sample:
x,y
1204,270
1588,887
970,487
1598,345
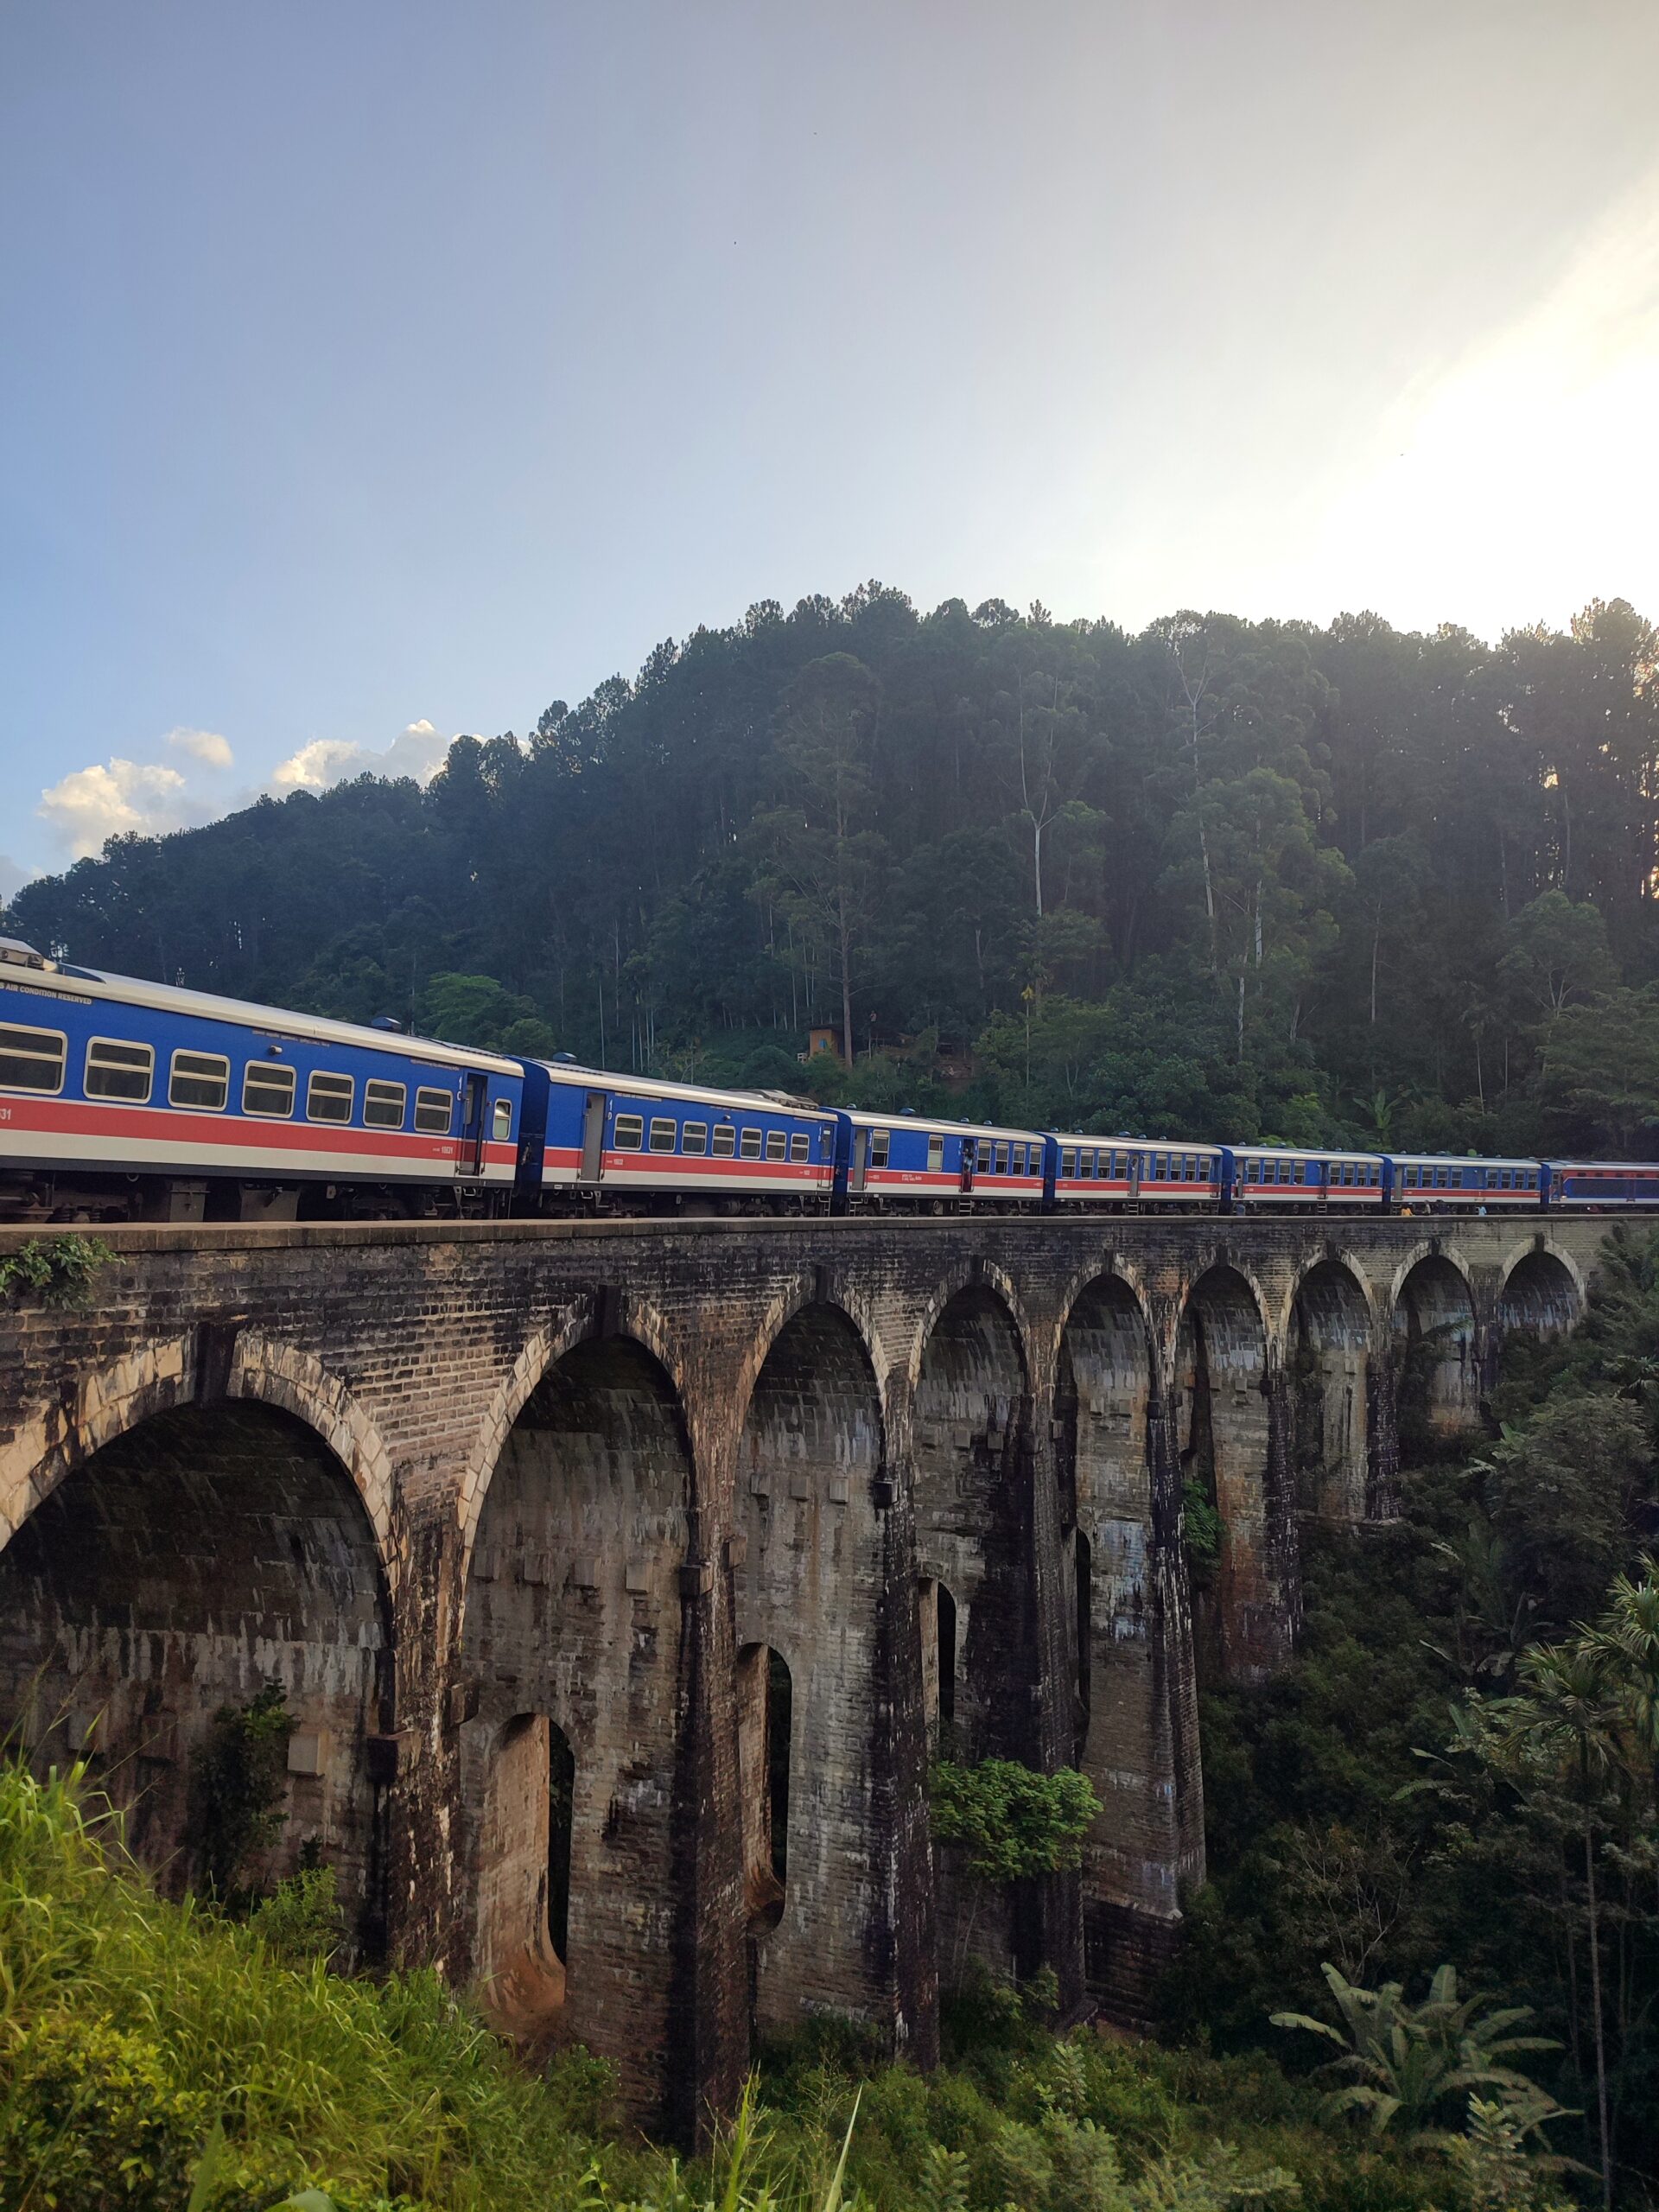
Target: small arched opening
x,y
1437,1368
765,1730
573,1638
937,1609
1328,1363
210,1558
524,1874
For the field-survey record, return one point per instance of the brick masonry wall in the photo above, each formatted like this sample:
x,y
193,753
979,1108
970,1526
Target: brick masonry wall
x,y
470,1489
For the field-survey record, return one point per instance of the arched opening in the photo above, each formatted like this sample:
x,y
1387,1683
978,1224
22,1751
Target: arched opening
x,y
937,1610
1436,1366
811,1584
764,1713
573,1638
972,1460
1540,1297
1329,1361
209,1557
1083,1607
1222,1437
524,1872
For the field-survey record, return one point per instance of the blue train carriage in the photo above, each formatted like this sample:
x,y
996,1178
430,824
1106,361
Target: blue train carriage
x,y
1175,1175
914,1163
617,1143
1094,1173
1431,1182
126,1100
1599,1185
1292,1178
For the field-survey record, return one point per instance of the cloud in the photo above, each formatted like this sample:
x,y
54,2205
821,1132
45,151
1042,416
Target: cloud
x,y
417,751
204,744
93,804
150,797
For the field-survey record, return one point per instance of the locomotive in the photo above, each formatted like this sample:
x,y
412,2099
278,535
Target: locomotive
x,y
122,1100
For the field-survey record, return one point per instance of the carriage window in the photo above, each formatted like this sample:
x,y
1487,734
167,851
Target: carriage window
x,y
800,1145
117,1070
269,1090
630,1132
750,1147
32,1059
501,1125
434,1112
881,1144
694,1139
725,1141
1160,1168
1442,1179
986,1152
329,1098
662,1134
1001,1159
1299,1172
202,1079
1068,1159
776,1144
935,1154
384,1104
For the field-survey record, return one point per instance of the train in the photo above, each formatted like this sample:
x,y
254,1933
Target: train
x,y
123,1100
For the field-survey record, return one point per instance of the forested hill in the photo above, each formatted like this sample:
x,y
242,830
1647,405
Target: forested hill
x,y
1222,878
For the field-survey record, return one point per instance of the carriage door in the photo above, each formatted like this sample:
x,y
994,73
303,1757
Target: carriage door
x,y
593,1138
469,1152
860,1160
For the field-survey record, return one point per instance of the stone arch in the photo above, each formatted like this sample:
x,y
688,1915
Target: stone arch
x,y
191,1562
1542,1292
1329,1338
1436,1354
977,1275
811,1585
575,1611
1106,1403
158,1377
972,1460
1223,1441
637,1318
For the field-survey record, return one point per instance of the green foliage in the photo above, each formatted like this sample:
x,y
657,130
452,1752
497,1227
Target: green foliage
x,y
239,1782
1202,1530
300,1918
153,2055
58,1270
1451,1769
1011,1822
1410,2061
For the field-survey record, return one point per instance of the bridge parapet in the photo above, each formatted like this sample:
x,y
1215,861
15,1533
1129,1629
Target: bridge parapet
x,y
621,1579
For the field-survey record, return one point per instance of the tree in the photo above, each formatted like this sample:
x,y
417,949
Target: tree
x,y
1603,1070
822,865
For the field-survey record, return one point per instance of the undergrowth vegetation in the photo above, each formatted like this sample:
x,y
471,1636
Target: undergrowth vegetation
x,y
136,2032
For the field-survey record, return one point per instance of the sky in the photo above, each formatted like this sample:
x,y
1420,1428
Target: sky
x,y
375,373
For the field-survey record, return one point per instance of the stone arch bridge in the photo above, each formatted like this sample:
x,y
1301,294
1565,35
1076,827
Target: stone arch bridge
x,y
621,1580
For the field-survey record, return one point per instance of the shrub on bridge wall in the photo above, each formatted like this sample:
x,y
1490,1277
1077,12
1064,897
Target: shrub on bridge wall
x,y
58,1270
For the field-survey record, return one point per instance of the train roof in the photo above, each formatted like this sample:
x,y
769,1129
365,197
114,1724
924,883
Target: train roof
x,y
64,980
1603,1167
654,1086
1308,1152
1463,1159
901,1120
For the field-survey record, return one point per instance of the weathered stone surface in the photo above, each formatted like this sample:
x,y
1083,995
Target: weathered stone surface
x,y
523,1517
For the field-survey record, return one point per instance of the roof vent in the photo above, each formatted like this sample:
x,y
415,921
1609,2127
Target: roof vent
x,y
14,953
387,1021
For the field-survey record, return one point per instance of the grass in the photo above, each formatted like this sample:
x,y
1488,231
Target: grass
x,y
135,2032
